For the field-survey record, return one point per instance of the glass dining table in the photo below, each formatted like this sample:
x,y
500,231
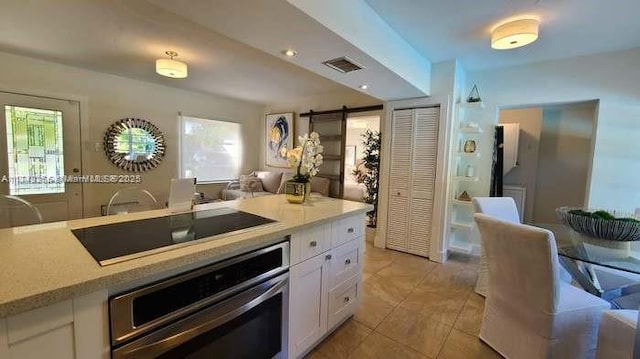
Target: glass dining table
x,y
575,249
623,256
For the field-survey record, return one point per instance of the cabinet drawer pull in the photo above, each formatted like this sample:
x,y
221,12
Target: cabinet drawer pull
x,y
398,193
313,244
328,257
350,230
348,261
346,299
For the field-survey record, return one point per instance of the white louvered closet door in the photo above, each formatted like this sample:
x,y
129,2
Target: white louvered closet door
x,y
398,218
423,178
414,151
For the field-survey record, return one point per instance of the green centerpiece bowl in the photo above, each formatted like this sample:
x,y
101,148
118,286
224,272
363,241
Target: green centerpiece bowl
x,y
601,224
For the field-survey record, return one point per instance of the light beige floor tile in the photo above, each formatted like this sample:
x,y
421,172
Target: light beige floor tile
x,y
372,264
433,306
385,289
377,346
446,283
316,355
470,317
461,345
414,262
372,310
415,330
401,276
344,340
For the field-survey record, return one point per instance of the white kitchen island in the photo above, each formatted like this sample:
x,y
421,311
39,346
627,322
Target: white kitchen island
x,y
53,301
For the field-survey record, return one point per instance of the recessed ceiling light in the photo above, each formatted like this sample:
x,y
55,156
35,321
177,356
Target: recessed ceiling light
x,y
514,34
363,86
289,53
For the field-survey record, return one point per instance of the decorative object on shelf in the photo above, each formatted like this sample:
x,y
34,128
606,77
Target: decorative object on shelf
x,y
134,144
474,95
370,174
170,67
469,146
464,196
619,226
470,171
279,133
306,160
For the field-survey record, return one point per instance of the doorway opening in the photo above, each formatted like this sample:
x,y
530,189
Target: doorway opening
x,y
356,149
547,157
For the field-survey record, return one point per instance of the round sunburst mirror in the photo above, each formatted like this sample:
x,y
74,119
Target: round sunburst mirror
x,y
134,144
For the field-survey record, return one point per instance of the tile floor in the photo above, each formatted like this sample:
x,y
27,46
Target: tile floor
x,y
412,308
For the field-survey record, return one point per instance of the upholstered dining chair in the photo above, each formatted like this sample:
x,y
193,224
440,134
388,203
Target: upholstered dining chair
x,y
617,334
131,199
529,312
15,211
503,208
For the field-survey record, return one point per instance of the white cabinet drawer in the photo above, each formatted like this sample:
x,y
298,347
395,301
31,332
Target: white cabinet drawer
x,y
347,229
346,262
343,301
310,242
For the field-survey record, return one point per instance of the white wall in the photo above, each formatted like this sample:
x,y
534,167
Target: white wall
x,y
564,159
107,98
333,101
611,78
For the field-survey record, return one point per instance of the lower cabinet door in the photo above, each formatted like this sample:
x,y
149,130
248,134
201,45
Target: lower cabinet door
x,y
343,301
346,262
308,303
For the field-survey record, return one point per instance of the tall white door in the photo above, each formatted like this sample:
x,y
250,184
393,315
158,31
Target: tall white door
x,y
414,152
39,145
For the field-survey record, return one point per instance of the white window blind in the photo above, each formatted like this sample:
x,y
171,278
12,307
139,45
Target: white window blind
x,y
210,150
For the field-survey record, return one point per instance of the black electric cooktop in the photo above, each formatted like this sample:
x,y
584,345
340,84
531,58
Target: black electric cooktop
x,y
113,243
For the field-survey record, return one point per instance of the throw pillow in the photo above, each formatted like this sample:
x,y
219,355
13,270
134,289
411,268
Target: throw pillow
x,y
250,183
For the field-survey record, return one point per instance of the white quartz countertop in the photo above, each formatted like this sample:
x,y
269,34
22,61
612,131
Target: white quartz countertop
x,y
44,264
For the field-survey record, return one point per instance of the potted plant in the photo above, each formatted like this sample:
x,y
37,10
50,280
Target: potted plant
x,y
306,160
369,171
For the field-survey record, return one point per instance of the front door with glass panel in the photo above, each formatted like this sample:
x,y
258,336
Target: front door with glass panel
x,y
39,145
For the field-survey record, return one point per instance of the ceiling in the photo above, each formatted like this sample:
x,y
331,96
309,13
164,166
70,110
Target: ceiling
x,y
461,29
124,38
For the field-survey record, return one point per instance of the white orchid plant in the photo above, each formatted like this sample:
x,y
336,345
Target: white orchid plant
x,y
306,158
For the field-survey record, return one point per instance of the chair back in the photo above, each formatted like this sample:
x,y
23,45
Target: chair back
x,y
131,199
15,211
523,264
503,208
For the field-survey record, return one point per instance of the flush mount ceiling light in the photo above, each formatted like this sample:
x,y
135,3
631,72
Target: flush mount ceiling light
x,y
514,34
170,67
289,53
363,86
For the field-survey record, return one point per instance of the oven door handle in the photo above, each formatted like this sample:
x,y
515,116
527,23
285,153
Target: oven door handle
x,y
138,349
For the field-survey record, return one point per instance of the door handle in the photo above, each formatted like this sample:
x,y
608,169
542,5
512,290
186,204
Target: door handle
x,y
76,170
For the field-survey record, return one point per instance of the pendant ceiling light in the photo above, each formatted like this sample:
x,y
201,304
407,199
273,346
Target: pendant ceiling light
x,y
514,34
170,67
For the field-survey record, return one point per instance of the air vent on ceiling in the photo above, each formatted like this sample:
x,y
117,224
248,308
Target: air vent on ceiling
x,y
343,64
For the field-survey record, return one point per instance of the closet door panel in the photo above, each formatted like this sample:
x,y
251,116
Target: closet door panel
x,y
401,151
425,153
420,226
398,221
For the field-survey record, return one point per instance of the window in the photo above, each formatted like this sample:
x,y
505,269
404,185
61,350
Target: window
x,y
34,144
210,150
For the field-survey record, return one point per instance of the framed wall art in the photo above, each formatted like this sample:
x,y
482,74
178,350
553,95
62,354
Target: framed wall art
x,y
279,134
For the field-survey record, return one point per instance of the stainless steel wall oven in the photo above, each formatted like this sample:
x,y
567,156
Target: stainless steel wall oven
x,y
237,308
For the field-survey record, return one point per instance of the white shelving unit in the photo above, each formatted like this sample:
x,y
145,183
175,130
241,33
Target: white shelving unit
x,y
464,236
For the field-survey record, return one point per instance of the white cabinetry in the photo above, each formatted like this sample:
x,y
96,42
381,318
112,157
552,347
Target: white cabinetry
x,y
324,287
73,329
414,153
465,177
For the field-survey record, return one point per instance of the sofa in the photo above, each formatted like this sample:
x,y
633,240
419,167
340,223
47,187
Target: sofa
x,y
270,183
